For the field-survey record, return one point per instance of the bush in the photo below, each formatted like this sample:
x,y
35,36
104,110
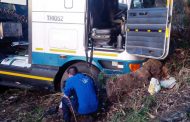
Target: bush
x,y
188,3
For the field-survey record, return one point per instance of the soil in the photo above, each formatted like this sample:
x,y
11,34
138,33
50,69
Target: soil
x,y
127,92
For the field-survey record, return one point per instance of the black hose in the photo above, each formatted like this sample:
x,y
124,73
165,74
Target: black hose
x,y
89,26
87,30
91,53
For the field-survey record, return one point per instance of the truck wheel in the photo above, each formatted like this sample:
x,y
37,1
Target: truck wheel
x,y
85,69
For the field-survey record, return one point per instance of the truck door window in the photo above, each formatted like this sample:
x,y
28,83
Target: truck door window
x,y
68,4
136,4
148,3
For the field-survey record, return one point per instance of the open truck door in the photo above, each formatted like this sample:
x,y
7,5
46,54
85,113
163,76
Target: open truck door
x,y
148,28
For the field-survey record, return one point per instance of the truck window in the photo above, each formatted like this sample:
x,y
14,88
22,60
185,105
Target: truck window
x,y
148,3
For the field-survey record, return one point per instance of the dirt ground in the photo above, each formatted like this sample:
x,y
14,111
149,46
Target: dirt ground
x,y
168,105
135,106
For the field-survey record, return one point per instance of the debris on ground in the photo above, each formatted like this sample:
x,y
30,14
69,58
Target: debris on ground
x,y
138,79
19,105
129,99
138,105
168,83
179,116
154,86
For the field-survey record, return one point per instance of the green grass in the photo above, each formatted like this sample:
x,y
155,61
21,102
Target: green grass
x,y
188,116
117,117
140,115
186,20
183,43
131,116
188,80
33,116
101,80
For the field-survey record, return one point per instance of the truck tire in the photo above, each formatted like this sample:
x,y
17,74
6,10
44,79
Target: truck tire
x,y
84,68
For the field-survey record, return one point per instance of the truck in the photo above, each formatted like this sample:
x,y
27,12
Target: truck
x,y
96,36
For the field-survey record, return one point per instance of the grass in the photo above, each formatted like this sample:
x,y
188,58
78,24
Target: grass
x,y
184,44
101,80
186,20
33,116
133,115
138,116
117,117
188,115
188,80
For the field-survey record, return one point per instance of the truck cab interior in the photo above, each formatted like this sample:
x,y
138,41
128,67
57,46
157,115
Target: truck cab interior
x,y
106,24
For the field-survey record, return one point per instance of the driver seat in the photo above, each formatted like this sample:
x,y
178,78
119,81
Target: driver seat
x,y
101,37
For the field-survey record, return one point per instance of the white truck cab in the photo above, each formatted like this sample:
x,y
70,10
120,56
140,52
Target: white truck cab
x,y
114,36
71,26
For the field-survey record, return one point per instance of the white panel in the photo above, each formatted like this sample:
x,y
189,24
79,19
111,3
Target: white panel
x,y
58,5
63,38
57,26
38,35
20,2
51,17
59,36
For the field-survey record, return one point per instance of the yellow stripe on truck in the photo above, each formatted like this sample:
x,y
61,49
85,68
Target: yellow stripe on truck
x,y
26,76
39,49
105,54
63,51
169,3
167,32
